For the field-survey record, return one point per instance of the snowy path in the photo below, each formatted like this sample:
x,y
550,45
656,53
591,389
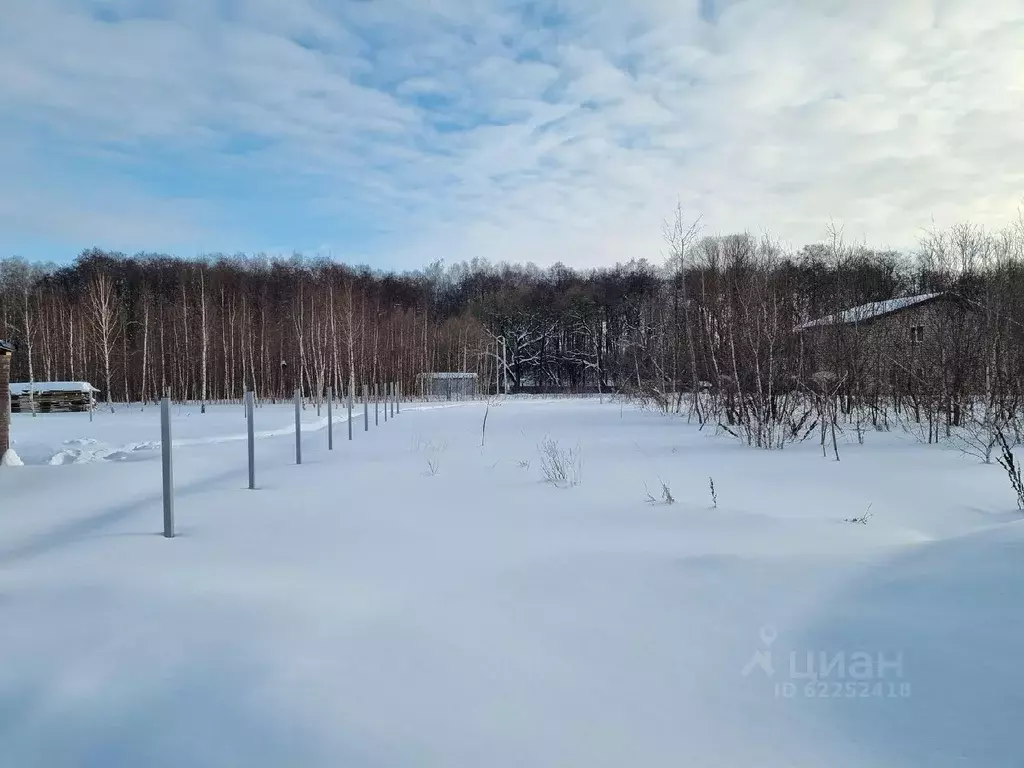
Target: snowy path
x,y
358,610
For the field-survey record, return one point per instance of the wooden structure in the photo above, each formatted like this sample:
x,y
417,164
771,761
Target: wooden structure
x,y
880,344
449,385
52,397
909,312
896,326
6,350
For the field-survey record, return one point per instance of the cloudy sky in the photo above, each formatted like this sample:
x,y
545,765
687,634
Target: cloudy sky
x,y
396,132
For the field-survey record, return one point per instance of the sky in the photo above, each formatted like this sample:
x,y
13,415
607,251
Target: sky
x,y
398,132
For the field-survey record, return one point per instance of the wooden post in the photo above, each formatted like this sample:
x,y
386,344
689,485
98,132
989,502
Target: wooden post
x,y
5,397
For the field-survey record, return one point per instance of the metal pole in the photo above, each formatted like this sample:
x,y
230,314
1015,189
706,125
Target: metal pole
x,y
168,472
387,395
252,439
350,412
366,409
330,419
298,427
504,366
376,405
392,400
398,398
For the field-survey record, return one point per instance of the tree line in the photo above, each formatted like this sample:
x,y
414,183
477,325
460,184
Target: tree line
x,y
710,328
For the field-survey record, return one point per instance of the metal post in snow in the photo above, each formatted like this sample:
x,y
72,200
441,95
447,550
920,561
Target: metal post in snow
x,y
366,409
392,400
387,394
398,397
504,365
376,405
350,413
497,370
298,426
330,419
168,473
252,439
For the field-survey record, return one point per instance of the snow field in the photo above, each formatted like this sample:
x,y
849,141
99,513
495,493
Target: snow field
x,y
413,599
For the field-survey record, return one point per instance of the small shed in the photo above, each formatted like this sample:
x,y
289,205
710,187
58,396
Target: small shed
x,y
6,350
449,385
52,396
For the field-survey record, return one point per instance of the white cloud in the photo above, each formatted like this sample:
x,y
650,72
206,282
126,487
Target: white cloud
x,y
469,128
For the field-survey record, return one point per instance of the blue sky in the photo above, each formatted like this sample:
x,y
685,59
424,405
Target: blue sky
x,y
397,132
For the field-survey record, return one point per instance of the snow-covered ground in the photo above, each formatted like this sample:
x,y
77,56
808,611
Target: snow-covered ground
x,y
364,609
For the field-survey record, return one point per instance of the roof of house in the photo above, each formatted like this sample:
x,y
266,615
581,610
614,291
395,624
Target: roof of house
x,y
448,375
867,312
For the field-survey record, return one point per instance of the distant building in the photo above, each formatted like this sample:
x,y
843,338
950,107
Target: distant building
x,y
448,385
912,313
880,343
906,321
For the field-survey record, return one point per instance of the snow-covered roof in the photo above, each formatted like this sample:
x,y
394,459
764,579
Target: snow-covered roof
x,y
6,346
866,312
23,387
448,375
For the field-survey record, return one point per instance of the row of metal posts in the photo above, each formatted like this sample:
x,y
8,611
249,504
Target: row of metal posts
x,y
392,400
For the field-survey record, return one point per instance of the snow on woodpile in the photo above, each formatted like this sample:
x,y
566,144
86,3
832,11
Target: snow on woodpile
x,y
52,396
22,388
866,312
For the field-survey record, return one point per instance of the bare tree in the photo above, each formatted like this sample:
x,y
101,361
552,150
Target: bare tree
x,y
679,236
104,314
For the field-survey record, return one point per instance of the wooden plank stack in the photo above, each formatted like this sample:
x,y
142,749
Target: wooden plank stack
x,y
52,397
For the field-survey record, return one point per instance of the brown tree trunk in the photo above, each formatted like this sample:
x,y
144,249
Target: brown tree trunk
x,y
5,403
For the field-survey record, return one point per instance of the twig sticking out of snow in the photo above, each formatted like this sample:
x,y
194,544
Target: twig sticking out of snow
x,y
483,428
666,494
1012,465
863,519
560,466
